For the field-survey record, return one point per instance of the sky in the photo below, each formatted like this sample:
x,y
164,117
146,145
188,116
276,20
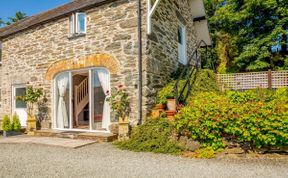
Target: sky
x,y
8,8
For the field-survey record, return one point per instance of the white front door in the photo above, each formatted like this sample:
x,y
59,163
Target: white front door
x,y
19,107
182,52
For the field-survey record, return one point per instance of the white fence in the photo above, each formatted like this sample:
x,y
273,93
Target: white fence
x,y
252,80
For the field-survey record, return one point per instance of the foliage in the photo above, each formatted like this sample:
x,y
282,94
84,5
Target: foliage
x,y
205,80
245,33
6,124
155,135
206,153
16,125
31,97
255,117
167,92
119,101
18,16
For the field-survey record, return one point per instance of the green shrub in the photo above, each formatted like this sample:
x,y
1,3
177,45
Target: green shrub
x,y
206,153
256,117
165,93
6,124
155,135
204,81
16,125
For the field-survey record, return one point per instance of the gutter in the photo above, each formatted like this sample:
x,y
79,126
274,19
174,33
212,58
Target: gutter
x,y
140,84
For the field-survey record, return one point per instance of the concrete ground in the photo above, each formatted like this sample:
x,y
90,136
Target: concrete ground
x,y
49,141
104,160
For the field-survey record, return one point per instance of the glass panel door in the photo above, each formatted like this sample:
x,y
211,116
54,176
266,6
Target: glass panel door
x,y
62,100
100,115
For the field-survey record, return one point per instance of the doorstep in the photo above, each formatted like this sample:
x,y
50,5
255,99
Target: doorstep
x,y
95,136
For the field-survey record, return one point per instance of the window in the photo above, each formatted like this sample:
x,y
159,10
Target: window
x,y
77,24
182,51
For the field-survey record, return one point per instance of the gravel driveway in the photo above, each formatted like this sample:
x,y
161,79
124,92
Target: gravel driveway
x,y
104,160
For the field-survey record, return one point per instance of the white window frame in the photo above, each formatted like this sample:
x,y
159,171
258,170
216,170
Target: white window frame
x,y
73,24
182,48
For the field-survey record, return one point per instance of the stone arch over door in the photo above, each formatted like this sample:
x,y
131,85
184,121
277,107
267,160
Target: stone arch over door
x,y
98,60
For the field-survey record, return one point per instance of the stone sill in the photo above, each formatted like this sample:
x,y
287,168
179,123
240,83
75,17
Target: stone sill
x,y
76,35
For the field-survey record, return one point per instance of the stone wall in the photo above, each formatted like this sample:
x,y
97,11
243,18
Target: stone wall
x,y
162,44
111,29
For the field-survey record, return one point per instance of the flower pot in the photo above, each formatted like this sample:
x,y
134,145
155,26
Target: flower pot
x,y
155,113
160,107
170,115
123,129
31,125
171,104
11,133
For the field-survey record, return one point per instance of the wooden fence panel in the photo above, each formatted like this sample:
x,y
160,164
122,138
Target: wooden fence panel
x,y
253,80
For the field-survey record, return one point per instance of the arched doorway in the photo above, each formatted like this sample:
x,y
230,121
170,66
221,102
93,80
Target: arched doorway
x,y
80,100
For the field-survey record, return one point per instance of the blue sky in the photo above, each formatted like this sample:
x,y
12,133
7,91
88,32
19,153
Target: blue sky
x,y
9,7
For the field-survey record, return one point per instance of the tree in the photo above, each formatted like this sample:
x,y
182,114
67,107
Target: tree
x,y
252,28
18,16
1,22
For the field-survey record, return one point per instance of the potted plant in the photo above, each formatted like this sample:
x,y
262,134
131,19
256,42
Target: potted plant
x,y
119,101
11,129
31,98
166,96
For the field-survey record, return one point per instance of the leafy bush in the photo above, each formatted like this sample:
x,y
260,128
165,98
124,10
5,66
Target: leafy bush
x,y
16,125
155,135
256,117
166,92
206,153
204,81
6,124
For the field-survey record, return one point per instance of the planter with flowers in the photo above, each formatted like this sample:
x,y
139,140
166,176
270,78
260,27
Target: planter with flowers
x,y
119,101
31,98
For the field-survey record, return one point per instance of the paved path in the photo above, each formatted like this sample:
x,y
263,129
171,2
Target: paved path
x,y
104,160
49,141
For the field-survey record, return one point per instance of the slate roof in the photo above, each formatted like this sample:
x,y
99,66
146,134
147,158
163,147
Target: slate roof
x,y
50,15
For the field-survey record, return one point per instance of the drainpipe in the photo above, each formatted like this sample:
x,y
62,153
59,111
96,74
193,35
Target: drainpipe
x,y
140,92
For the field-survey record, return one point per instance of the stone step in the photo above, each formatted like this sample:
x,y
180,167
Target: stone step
x,y
95,136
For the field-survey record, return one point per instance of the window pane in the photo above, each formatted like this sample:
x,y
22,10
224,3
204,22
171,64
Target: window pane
x,y
180,35
81,17
19,103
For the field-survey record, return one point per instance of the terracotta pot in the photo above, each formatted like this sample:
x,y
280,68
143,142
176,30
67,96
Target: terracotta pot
x,y
155,113
171,104
160,107
31,125
170,115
